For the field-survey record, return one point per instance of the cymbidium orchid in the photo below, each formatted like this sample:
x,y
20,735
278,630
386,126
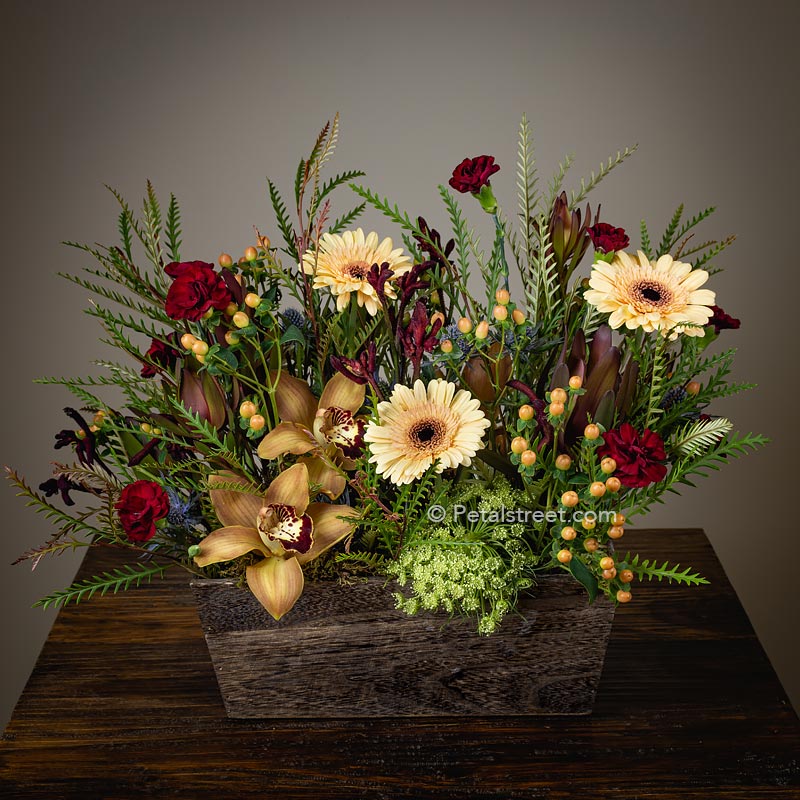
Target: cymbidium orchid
x,y
326,428
282,526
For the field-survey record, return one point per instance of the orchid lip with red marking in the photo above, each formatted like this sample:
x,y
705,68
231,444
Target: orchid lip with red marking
x,y
281,524
339,427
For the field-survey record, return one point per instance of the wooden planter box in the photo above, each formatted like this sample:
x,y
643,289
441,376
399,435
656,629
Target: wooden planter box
x,y
348,652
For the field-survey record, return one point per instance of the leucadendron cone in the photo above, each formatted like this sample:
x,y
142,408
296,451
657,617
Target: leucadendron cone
x,y
201,393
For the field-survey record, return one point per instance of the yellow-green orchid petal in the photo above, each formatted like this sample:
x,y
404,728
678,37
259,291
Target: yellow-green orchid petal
x,y
233,507
341,392
329,528
228,543
294,399
277,583
287,437
290,488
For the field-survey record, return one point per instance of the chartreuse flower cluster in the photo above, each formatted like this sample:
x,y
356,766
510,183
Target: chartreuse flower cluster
x,y
462,567
295,412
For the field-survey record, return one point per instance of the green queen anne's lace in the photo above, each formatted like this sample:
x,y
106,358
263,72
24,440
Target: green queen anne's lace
x,y
475,568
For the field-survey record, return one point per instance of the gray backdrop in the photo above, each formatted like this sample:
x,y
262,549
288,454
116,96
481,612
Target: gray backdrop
x,y
206,99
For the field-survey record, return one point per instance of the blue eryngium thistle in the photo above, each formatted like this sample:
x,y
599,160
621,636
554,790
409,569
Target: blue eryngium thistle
x,y
184,511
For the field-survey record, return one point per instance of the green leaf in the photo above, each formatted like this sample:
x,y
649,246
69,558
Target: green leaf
x,y
285,226
582,574
293,334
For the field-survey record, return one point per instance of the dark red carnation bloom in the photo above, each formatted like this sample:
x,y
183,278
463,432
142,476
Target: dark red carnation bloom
x,y
472,174
162,354
140,506
608,239
722,321
638,456
196,288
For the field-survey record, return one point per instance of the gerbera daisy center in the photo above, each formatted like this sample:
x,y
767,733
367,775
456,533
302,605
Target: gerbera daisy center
x,y
652,293
427,434
358,270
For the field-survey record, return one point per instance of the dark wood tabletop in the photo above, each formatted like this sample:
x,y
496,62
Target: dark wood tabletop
x,y
123,703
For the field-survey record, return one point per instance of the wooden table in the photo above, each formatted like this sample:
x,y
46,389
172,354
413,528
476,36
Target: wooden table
x,y
123,703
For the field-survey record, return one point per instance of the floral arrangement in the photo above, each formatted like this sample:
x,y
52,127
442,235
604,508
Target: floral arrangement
x,y
349,404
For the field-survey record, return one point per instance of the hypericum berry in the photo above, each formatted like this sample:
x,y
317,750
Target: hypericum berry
x,y
187,340
626,576
617,518
231,337
482,331
80,433
500,313
608,465
568,533
569,499
623,596
146,427
446,345
252,300
564,556
251,254
556,409
609,574
437,316
517,316
502,296
693,387
231,309
613,484
265,242
257,422
525,412
563,462
208,314
247,409
201,359
597,489
193,550
225,260
615,532
240,319
200,348
589,523
528,458
606,562
590,545
519,444
575,382
465,324
591,432
558,396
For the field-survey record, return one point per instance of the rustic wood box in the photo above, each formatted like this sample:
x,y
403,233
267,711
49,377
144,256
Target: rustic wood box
x,y
348,652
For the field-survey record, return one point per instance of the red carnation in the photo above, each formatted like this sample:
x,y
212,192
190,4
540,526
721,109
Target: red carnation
x,y
472,174
162,354
638,456
722,321
140,506
608,239
196,288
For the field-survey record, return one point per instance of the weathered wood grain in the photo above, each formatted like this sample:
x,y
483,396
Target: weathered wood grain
x,y
123,703
361,657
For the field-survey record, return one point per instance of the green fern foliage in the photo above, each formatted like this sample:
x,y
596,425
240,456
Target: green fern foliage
x,y
699,437
647,569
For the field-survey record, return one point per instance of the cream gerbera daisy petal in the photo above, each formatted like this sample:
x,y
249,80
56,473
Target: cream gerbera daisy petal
x,y
342,264
425,426
638,293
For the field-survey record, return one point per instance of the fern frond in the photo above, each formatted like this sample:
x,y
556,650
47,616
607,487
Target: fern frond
x,y
647,247
714,251
602,172
346,219
114,581
526,188
668,238
698,437
282,218
460,231
173,229
646,568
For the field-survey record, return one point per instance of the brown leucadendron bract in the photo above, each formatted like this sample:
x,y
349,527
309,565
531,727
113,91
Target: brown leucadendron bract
x,y
609,390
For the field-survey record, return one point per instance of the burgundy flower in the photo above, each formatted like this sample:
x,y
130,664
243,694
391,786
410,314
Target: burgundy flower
x,y
430,243
472,174
162,354
608,239
360,370
140,506
416,339
195,290
639,457
63,485
83,440
722,321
